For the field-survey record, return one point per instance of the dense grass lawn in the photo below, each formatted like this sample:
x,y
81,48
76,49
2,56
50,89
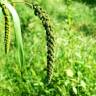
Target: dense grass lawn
x,y
75,52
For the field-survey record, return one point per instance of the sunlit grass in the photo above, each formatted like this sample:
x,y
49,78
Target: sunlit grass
x,y
75,55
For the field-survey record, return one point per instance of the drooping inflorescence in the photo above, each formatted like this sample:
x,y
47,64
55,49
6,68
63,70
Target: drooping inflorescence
x,y
7,27
49,38
49,34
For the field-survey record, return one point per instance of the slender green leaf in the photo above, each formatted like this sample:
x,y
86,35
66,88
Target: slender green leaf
x,y
17,32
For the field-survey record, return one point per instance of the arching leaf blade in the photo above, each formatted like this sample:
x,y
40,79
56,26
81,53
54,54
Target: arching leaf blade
x,y
17,28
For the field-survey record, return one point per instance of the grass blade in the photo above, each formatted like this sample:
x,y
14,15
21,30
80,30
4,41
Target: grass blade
x,y
17,28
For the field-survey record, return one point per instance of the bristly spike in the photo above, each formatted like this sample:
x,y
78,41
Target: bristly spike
x,y
38,11
7,27
49,38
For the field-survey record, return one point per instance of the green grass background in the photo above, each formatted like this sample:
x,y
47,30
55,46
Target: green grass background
x,y
75,52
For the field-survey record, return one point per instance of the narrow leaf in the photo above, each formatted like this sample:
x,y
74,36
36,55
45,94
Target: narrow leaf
x,y
17,28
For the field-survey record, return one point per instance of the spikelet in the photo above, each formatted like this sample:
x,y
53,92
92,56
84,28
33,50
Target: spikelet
x,y
49,38
7,27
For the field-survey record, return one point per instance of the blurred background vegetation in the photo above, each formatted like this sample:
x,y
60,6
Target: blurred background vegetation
x,y
74,23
